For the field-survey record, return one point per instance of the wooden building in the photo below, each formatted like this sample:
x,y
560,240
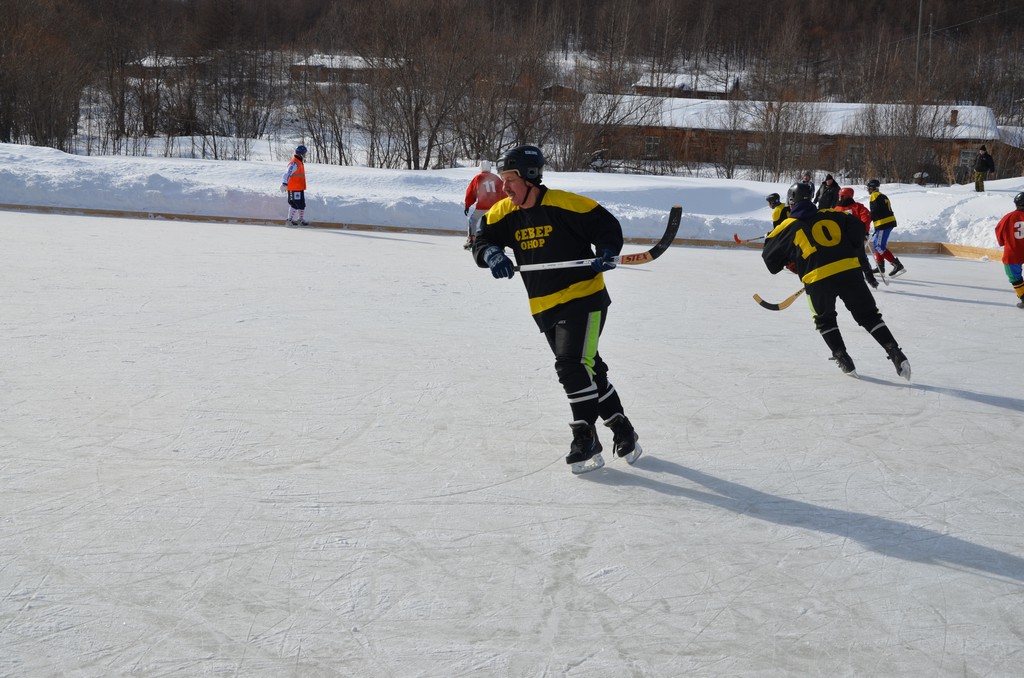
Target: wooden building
x,y
938,143
339,68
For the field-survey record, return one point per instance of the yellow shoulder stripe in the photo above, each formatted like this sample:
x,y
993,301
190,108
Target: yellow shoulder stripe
x,y
500,210
783,224
569,201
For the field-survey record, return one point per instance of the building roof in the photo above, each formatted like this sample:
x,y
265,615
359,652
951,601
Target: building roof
x,y
825,118
157,61
335,61
709,81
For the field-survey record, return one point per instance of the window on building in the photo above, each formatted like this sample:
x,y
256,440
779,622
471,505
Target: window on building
x,y
854,157
652,147
753,152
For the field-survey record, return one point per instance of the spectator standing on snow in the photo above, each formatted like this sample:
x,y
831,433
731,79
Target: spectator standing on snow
x,y
828,193
294,184
1010,236
483,191
884,219
826,249
983,164
569,305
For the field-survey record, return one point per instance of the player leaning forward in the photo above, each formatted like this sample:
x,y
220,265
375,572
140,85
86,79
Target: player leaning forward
x,y
826,249
570,305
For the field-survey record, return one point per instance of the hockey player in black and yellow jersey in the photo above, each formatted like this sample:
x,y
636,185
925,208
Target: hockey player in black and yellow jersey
x,y
780,211
885,221
569,305
826,249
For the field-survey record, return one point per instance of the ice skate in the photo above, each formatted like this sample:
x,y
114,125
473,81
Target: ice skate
x,y
899,360
585,451
897,269
625,438
845,362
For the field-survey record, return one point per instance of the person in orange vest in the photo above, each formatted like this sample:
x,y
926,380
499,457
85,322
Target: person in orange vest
x,y
294,184
483,191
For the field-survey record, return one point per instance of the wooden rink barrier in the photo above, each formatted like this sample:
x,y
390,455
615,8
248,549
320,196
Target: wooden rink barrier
x,y
898,247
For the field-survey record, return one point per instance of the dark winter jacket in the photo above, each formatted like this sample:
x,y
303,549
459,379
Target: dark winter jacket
x,y
827,196
984,163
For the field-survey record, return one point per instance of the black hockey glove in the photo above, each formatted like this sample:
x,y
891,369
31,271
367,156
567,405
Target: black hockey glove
x,y
500,265
604,262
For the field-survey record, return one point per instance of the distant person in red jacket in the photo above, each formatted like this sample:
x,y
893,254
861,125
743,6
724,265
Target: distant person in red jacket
x,y
483,191
1010,236
850,206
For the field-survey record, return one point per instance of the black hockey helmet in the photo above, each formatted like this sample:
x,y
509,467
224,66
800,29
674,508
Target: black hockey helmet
x,y
1018,200
873,184
798,193
773,199
526,161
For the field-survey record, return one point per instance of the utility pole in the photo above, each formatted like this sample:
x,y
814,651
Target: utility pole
x,y
917,60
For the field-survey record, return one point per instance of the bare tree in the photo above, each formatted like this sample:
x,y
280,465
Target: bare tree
x,y
326,113
41,80
418,88
526,68
780,128
899,139
587,131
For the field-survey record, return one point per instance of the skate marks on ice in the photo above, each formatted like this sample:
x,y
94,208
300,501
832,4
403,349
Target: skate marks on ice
x,y
891,538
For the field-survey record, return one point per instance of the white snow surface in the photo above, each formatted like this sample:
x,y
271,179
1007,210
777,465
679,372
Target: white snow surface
x,y
714,209
247,450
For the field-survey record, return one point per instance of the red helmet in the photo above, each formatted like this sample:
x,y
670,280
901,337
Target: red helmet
x,y
845,193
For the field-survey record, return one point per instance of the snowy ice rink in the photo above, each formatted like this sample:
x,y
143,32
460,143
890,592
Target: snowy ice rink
x,y
236,450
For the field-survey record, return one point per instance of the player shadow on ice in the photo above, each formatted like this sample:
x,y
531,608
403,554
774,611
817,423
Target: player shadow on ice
x,y
881,535
1005,402
378,235
902,292
904,282
936,297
